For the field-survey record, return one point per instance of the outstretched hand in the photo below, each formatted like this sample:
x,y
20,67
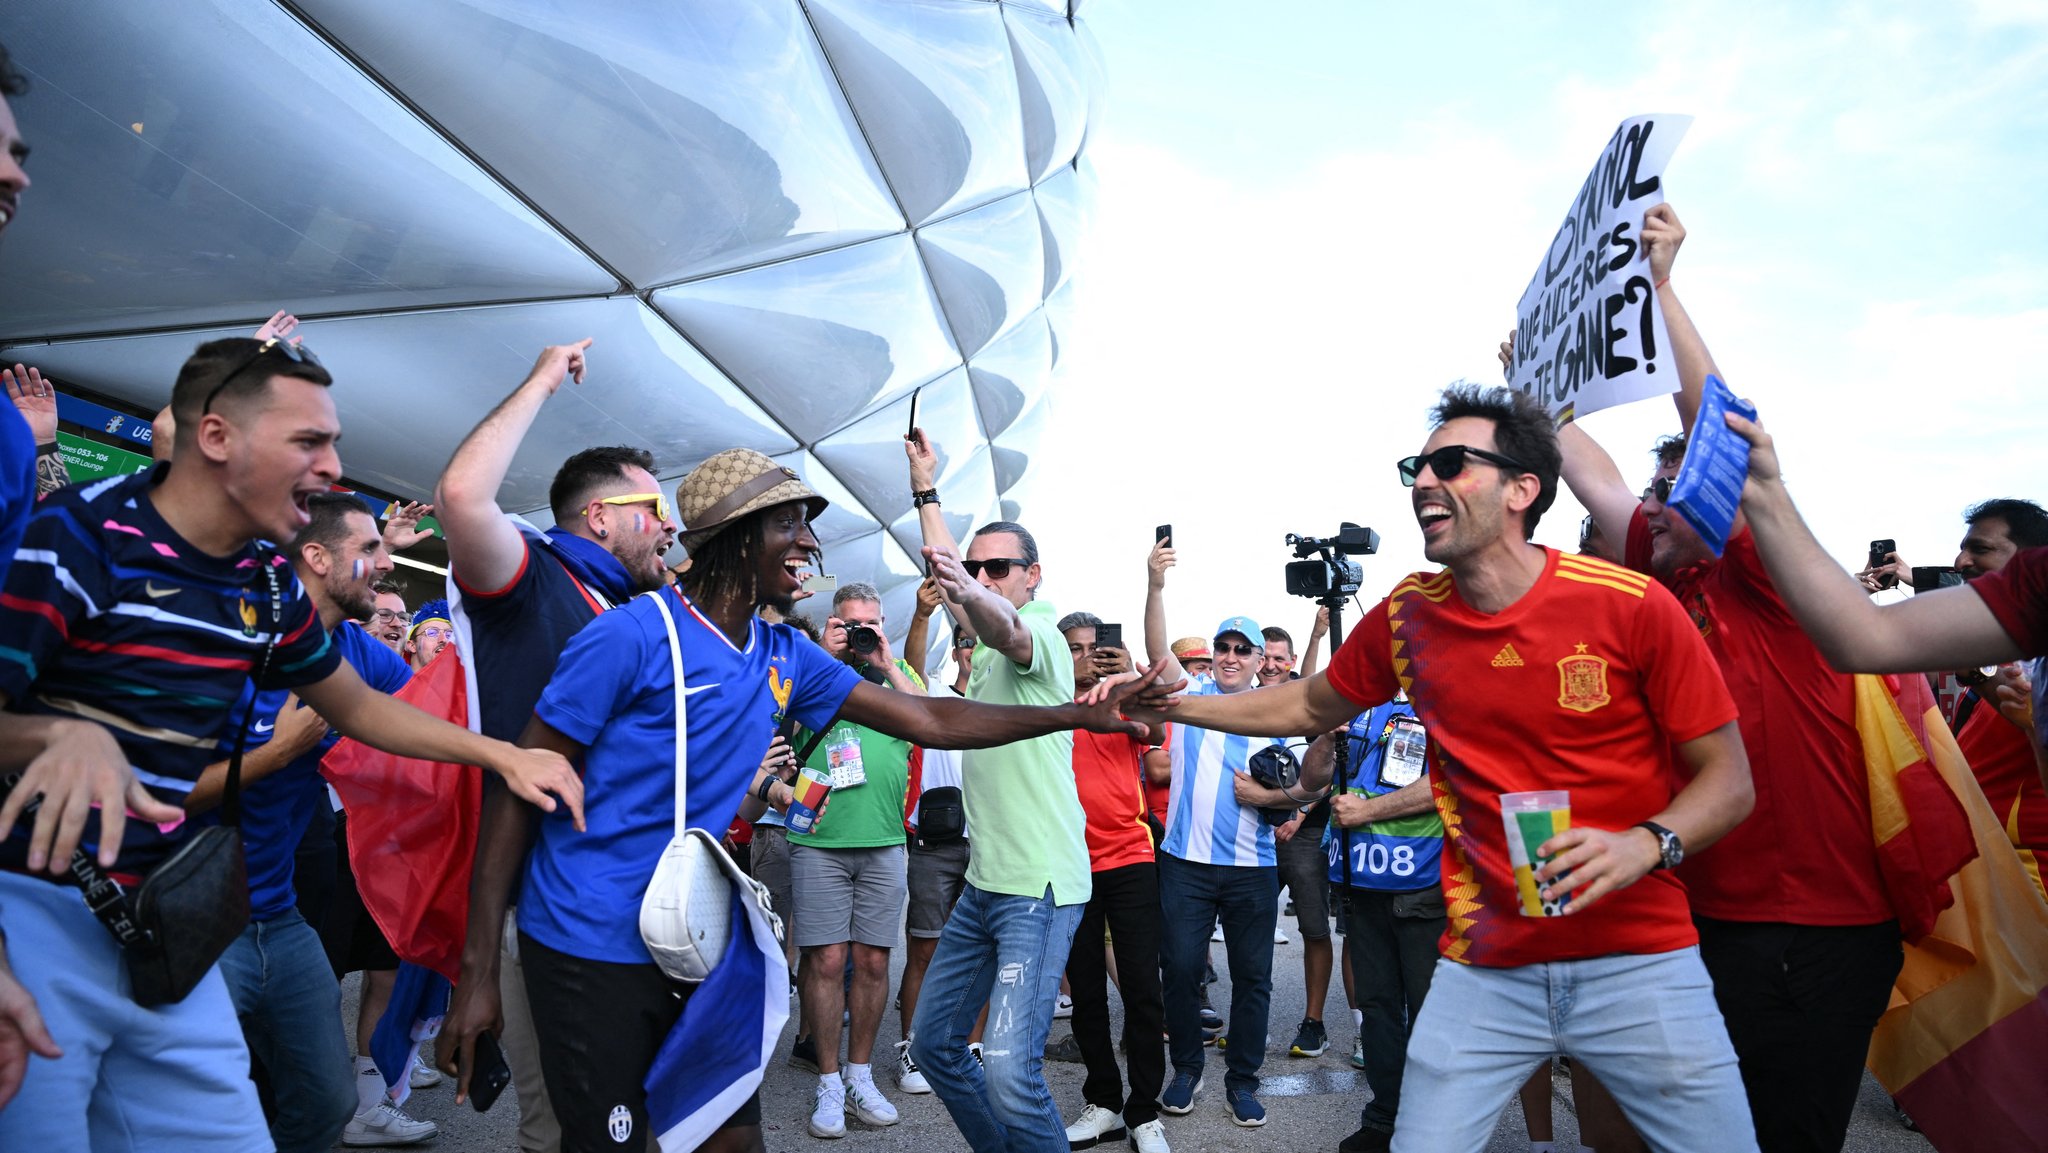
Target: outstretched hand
x,y
559,362
280,326
1133,703
36,400
402,525
538,776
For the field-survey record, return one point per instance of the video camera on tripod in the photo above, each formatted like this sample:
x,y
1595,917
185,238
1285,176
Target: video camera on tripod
x,y
1329,576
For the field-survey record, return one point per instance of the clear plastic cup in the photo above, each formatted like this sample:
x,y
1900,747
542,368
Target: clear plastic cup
x,y
1531,819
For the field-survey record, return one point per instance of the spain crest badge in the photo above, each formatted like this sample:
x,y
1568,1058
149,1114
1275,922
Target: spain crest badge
x,y
1582,682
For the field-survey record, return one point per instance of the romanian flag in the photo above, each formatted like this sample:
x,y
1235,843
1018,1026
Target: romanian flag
x,y
1961,1045
412,827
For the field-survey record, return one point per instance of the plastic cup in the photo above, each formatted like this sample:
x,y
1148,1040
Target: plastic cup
x,y
813,787
1531,819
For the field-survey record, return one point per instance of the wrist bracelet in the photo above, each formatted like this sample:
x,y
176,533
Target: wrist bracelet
x,y
923,497
767,786
1660,284
51,448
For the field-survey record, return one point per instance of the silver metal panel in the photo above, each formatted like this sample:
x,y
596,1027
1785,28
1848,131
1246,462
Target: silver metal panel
x,y
1052,85
988,266
868,454
845,517
720,118
1065,203
1011,373
1011,451
205,162
936,93
822,339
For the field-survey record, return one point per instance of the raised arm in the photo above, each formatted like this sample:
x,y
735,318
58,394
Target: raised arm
x,y
993,619
1311,657
38,404
957,723
924,471
1663,235
1950,628
1309,705
483,546
918,641
1159,646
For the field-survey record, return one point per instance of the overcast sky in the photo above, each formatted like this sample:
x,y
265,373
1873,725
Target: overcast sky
x,y
1313,215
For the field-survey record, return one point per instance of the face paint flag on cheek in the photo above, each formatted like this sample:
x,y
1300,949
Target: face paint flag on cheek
x,y
639,522
358,566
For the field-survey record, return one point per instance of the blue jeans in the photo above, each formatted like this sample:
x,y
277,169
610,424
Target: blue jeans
x,y
1192,898
1016,949
131,1080
290,1008
1646,1025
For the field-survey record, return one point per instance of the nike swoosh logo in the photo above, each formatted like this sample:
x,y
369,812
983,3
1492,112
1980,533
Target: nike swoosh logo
x,y
690,690
155,592
264,726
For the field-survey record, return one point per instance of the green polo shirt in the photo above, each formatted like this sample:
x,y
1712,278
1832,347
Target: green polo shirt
x,y
1029,830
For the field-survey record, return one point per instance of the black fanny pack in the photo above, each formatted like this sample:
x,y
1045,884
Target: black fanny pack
x,y
941,816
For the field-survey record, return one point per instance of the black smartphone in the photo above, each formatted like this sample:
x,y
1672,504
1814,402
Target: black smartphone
x,y
1927,578
912,434
1880,554
1108,636
490,1075
1162,534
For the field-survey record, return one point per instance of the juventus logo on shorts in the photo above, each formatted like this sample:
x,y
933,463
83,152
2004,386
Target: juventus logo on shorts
x,y
621,1124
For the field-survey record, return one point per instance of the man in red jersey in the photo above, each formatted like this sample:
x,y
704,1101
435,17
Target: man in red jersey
x,y
1539,671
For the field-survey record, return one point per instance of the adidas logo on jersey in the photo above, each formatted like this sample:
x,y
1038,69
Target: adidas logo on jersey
x,y
1507,658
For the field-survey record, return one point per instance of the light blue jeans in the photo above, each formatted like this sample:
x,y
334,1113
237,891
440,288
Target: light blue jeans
x,y
1008,952
290,1007
1646,1025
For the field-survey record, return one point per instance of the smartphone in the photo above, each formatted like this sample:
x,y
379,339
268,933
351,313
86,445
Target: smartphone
x,y
1926,579
912,434
819,582
1880,554
1162,534
490,1075
1108,636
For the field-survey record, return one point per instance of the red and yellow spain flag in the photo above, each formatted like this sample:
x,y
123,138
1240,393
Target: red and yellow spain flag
x,y
1961,1045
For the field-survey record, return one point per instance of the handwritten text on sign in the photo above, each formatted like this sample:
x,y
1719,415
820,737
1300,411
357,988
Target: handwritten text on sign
x,y
1588,334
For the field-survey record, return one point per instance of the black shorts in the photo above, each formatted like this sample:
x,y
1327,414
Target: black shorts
x,y
600,1025
353,940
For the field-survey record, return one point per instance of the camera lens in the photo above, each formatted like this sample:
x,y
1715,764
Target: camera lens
x,y
862,639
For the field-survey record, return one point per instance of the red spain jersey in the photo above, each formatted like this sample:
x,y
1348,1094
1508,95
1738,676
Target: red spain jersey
x,y
1109,775
1583,684
2002,758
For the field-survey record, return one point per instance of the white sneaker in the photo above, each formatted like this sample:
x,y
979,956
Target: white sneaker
x,y
1094,1126
1150,1138
1064,1007
868,1103
1279,935
424,1076
1216,934
828,1116
974,1051
387,1124
909,1077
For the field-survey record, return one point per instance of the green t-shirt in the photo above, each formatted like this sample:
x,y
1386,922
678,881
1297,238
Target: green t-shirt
x,y
1020,799
868,815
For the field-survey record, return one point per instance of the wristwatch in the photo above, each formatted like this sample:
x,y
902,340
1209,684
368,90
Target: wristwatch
x,y
924,497
1669,849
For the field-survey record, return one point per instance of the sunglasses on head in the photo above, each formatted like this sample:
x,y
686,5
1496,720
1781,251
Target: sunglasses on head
x,y
998,567
1449,461
1660,489
963,642
296,353
660,502
1222,648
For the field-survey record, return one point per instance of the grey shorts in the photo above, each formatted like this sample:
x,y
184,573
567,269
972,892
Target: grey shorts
x,y
937,875
769,863
847,895
1305,870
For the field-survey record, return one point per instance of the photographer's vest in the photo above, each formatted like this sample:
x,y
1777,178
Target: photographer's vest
x,y
1395,855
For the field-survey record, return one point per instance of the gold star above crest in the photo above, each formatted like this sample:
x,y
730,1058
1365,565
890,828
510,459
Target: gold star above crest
x,y
1579,648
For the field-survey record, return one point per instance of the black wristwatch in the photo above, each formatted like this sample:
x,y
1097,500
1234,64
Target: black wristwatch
x,y
924,497
1670,851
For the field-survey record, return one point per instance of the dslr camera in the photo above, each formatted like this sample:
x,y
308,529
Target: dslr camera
x,y
862,639
1323,573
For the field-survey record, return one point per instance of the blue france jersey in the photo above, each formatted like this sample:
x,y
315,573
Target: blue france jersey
x,y
614,694
1204,822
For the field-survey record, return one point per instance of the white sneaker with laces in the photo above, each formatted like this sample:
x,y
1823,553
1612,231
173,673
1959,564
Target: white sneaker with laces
x,y
909,1077
1280,935
1150,1138
1064,1007
386,1124
828,1116
424,1076
974,1051
868,1103
1094,1126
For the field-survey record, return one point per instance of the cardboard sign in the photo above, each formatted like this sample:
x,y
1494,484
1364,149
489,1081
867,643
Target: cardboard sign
x,y
1588,334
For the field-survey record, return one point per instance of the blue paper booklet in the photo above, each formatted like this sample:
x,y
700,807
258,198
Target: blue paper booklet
x,y
1709,486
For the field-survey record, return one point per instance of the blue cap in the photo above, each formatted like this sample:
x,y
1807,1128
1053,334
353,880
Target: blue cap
x,y
1245,627
434,610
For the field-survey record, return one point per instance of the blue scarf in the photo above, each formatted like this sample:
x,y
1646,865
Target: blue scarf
x,y
591,563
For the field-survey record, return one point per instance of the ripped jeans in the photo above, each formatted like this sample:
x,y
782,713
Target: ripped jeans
x,y
1009,952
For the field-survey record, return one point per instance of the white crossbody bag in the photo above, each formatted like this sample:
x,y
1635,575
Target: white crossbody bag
x,y
686,918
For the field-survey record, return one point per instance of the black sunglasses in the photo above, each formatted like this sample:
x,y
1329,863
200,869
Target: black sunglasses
x,y
964,642
1223,647
1661,489
1449,461
998,567
296,353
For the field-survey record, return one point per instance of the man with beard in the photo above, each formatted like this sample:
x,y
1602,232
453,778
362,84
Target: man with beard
x,y
602,1009
519,596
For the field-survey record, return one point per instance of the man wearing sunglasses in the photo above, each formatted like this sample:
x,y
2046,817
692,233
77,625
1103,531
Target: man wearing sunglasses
x,y
1531,670
1796,923
518,595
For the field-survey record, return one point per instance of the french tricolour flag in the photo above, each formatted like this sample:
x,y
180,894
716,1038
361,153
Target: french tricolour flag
x,y
708,1068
